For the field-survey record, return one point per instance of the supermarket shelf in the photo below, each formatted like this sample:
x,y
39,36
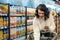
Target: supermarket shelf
x,y
31,15
19,26
27,24
15,26
21,35
3,28
3,15
17,15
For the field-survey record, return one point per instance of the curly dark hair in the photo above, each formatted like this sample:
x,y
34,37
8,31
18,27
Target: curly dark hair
x,y
42,7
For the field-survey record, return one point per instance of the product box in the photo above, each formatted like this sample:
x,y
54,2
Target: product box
x,y
1,35
1,22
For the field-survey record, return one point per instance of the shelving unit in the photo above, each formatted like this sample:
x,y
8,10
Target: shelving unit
x,y
30,17
17,22
13,22
4,19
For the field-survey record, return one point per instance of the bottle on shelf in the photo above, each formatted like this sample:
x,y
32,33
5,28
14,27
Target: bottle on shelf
x,y
18,31
17,21
12,33
12,10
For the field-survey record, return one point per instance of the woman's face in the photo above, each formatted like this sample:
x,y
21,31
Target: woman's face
x,y
41,13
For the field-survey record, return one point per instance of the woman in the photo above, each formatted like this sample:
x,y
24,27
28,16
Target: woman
x,y
42,21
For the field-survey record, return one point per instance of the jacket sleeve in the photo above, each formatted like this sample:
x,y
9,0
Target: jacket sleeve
x,y
36,30
52,24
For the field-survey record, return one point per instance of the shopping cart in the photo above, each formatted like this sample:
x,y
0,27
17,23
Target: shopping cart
x,y
44,35
47,35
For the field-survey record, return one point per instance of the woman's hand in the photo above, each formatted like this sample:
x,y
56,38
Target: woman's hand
x,y
46,28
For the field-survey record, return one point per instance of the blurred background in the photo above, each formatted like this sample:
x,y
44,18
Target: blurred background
x,y
20,24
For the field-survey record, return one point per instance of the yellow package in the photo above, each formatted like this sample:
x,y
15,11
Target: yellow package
x,y
5,23
1,35
6,36
4,9
1,21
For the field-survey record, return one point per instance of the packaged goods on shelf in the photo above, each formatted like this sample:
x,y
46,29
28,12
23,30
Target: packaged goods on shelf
x,y
23,10
12,10
13,33
5,21
1,35
1,22
6,34
30,11
18,21
18,31
13,21
16,10
23,20
3,9
22,31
